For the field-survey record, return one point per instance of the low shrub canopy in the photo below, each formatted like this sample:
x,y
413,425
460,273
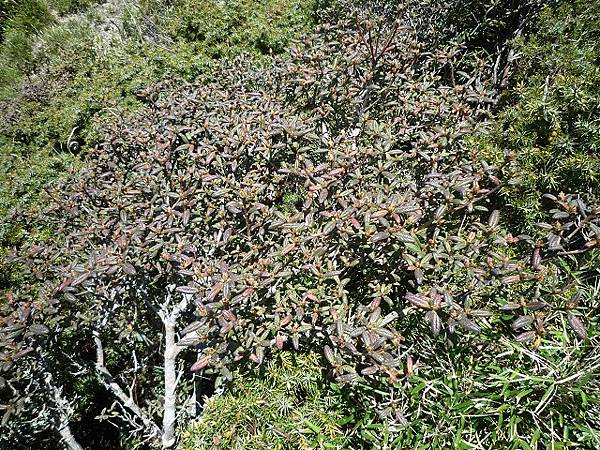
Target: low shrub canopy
x,y
334,199
188,199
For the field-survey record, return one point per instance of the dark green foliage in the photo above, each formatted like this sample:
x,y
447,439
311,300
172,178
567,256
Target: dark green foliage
x,y
551,120
288,404
489,24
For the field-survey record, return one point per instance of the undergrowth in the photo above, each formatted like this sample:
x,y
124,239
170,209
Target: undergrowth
x,y
288,404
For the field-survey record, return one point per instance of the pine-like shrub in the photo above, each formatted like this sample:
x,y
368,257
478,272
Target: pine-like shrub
x,y
288,404
550,117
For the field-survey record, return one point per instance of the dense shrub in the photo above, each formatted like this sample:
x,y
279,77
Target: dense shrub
x,y
89,67
327,201
222,28
286,405
550,119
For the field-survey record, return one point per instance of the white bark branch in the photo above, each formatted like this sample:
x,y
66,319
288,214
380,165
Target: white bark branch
x,y
68,438
171,380
64,411
109,383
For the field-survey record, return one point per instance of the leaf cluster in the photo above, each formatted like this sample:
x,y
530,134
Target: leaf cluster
x,y
399,215
331,199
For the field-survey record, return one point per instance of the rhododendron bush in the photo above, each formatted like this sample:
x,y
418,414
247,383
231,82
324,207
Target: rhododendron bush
x,y
330,200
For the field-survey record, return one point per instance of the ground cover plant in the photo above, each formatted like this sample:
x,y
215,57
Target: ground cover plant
x,y
344,212
287,404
